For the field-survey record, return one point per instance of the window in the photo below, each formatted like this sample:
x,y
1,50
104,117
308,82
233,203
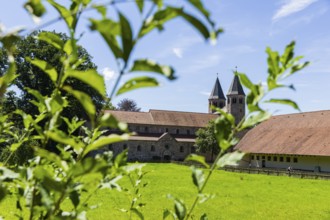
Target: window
x,y
263,157
138,148
257,157
234,100
274,158
167,147
152,148
240,100
295,160
288,159
281,159
110,147
269,158
181,149
192,150
166,130
146,129
188,131
177,131
125,146
137,128
252,157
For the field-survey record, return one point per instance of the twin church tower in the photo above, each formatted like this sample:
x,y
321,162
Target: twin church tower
x,y
235,102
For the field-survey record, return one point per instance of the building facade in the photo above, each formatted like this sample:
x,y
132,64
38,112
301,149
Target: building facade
x,y
300,141
161,135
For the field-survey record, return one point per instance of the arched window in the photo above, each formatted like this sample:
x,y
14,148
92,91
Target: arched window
x,y
181,149
240,100
234,100
138,148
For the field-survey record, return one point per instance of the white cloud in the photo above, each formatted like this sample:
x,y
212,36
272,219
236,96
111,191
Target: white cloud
x,y
290,7
178,52
108,73
205,93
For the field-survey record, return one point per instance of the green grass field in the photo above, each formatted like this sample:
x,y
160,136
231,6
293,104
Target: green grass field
x,y
237,196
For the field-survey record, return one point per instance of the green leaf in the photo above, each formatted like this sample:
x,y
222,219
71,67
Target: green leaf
x,y
75,198
223,130
136,83
140,5
230,159
197,158
196,23
46,67
151,66
51,38
7,79
157,20
204,217
7,174
109,30
166,213
126,36
288,54
105,140
254,119
284,102
138,213
198,178
3,193
67,15
180,209
121,159
84,99
35,7
108,120
101,9
61,137
90,77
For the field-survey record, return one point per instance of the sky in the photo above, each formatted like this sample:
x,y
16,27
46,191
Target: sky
x,y
249,27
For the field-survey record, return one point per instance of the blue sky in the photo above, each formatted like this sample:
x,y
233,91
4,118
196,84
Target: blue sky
x,y
249,27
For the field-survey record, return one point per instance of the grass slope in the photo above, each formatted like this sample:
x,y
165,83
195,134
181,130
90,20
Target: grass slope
x,y
237,196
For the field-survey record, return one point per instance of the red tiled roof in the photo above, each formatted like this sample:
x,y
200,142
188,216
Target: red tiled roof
x,y
298,134
162,117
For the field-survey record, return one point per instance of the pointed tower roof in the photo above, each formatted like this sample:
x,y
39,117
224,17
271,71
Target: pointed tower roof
x,y
236,87
217,92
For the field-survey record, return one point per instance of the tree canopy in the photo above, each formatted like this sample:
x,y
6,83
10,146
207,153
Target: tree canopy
x,y
32,77
206,140
128,105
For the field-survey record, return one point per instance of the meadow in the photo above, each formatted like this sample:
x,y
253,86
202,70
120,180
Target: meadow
x,y
237,196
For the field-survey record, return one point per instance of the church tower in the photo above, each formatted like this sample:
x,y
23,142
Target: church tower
x,y
217,98
236,100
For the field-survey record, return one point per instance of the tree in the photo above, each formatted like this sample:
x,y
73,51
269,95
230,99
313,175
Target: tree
x,y
128,105
206,140
32,77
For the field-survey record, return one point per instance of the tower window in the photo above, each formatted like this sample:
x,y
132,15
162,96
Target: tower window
x,y
240,100
234,100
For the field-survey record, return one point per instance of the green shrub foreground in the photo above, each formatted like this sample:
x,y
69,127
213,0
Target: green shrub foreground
x,y
62,180
237,196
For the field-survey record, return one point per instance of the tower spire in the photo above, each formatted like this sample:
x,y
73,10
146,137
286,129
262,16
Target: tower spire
x,y
217,98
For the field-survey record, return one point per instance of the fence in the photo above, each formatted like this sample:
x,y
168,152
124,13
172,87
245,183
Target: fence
x,y
280,172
